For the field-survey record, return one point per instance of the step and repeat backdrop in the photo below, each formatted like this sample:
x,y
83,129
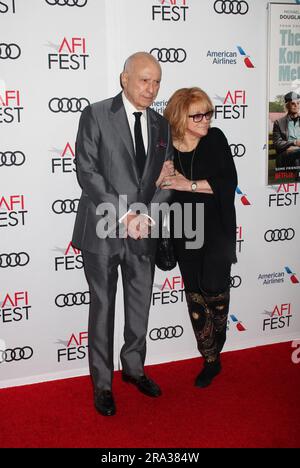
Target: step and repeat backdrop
x,y
57,56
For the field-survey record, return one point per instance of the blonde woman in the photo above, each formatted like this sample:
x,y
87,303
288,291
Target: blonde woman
x,y
204,173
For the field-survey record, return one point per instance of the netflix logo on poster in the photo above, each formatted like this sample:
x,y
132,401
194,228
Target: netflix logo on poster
x,y
10,106
75,348
233,105
64,162
71,54
70,260
14,307
170,10
279,317
8,6
286,195
12,210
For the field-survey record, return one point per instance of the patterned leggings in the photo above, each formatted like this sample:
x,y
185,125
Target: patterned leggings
x,y
207,295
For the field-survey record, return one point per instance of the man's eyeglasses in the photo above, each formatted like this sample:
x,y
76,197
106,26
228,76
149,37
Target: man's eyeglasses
x,y
199,117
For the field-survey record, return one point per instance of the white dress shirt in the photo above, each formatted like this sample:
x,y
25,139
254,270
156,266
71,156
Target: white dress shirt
x,y
130,109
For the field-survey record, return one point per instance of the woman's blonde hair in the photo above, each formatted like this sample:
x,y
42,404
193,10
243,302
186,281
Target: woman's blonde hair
x,y
177,109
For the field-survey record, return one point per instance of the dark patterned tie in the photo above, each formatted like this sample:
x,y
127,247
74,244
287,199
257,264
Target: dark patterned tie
x,y
139,144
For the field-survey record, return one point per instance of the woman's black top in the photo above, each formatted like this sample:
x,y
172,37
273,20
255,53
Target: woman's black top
x,y
212,161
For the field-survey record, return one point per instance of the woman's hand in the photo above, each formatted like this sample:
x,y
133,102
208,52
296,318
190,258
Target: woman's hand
x,y
167,170
180,183
176,182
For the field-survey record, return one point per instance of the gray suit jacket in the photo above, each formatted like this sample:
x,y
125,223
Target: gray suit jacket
x,y
106,168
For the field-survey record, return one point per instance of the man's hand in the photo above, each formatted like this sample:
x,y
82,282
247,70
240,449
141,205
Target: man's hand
x,y
137,226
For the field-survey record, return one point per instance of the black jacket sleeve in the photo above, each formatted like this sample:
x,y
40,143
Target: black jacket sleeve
x,y
223,183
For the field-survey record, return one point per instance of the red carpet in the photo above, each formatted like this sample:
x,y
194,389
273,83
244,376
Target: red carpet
x,y
254,402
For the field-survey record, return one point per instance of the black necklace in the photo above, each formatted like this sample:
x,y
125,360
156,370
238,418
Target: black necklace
x,y
192,162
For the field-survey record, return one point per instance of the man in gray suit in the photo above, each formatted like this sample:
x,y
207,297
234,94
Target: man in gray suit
x,y
123,147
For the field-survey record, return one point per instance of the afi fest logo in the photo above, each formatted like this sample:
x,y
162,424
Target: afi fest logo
x,y
65,162
12,210
170,10
279,317
70,260
286,195
14,307
233,105
170,292
8,6
10,106
71,54
75,348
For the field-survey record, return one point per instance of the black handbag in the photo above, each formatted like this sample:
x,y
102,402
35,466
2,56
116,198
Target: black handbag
x,y
165,254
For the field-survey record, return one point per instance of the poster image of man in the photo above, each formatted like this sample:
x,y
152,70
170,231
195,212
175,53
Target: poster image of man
x,y
284,138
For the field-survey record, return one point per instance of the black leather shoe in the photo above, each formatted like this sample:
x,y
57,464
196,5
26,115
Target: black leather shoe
x,y
104,403
143,384
208,373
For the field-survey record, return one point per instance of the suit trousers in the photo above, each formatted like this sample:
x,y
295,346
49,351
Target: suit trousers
x,y
102,276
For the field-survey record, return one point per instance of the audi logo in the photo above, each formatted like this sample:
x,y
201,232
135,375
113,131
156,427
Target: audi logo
x,y
166,333
235,281
72,299
16,354
79,3
9,51
68,104
12,158
231,6
65,206
279,235
237,150
169,55
14,259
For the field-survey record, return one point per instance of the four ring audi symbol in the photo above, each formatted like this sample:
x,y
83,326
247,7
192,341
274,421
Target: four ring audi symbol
x,y
72,299
12,158
279,235
65,206
234,7
169,55
166,332
79,3
16,354
9,51
14,259
235,281
237,150
68,104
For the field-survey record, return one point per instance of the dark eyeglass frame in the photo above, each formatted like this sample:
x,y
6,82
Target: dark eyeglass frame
x,y
199,117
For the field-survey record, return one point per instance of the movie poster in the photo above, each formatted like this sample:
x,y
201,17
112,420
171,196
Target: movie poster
x,y
283,147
